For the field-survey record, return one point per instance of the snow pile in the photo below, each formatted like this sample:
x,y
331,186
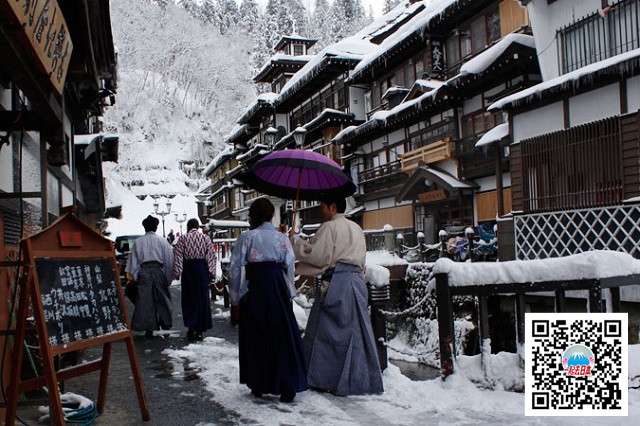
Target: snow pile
x,y
539,89
455,401
595,264
496,134
300,311
384,258
377,275
502,371
483,60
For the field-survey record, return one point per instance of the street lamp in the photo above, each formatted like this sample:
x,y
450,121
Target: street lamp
x,y
298,135
180,218
162,213
271,134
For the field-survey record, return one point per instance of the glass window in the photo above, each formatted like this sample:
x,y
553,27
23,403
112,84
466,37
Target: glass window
x,y
467,126
298,49
465,43
478,34
493,26
453,51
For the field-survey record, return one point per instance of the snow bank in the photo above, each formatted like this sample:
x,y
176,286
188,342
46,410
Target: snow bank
x,y
588,265
503,371
377,275
384,258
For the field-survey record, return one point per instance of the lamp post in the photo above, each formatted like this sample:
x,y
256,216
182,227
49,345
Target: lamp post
x,y
270,135
180,218
162,213
298,135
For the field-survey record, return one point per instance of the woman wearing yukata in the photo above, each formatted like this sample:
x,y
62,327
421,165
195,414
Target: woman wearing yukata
x,y
195,266
261,282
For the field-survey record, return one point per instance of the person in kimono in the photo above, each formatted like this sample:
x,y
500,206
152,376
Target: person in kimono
x,y
195,267
149,265
339,346
262,283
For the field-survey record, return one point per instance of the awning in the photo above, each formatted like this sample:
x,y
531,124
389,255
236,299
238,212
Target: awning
x,y
417,183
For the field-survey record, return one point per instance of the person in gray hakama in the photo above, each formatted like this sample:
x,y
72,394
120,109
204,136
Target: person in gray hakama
x,y
339,345
150,265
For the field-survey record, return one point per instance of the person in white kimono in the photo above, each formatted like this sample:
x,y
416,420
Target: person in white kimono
x,y
339,346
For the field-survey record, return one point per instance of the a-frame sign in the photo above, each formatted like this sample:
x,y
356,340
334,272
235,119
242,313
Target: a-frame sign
x,y
72,287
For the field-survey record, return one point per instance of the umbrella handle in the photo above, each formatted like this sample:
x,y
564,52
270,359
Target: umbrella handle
x,y
295,206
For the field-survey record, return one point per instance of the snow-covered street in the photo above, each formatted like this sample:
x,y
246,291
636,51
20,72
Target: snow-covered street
x,y
455,401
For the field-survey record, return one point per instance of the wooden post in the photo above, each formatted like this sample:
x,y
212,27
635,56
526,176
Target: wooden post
x,y
104,376
379,325
499,189
445,324
520,310
560,301
615,299
595,298
135,371
485,339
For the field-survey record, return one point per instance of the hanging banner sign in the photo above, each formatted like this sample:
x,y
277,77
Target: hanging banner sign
x,y
43,23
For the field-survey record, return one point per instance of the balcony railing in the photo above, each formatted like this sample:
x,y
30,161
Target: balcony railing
x,y
444,129
381,171
432,153
597,37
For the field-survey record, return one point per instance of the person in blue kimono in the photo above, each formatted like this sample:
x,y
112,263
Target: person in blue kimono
x,y
262,283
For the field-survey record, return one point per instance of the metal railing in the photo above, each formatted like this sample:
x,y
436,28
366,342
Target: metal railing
x,y
599,36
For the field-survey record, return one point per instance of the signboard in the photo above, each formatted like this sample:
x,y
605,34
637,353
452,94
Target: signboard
x,y
45,27
431,196
71,288
79,299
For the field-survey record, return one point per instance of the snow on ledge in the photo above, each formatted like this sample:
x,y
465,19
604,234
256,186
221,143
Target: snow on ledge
x,y
496,134
377,275
484,59
384,258
595,264
539,89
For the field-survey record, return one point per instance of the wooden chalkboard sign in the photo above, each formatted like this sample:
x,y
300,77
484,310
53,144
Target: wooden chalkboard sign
x,y
73,290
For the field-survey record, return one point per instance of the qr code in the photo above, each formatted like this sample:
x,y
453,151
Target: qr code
x,y
576,364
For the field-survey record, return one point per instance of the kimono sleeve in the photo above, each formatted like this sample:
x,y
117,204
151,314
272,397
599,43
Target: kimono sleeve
x,y
211,258
178,257
318,250
238,261
290,263
133,264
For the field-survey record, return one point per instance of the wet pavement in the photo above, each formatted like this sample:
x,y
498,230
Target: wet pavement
x,y
175,393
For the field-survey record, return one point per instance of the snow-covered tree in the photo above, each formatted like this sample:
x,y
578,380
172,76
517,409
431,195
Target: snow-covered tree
x,y
389,4
320,23
249,16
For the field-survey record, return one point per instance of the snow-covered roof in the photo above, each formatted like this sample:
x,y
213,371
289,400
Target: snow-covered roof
x,y
224,154
413,27
597,264
228,223
263,99
217,192
281,58
450,180
429,84
496,134
257,148
344,132
393,90
564,81
485,59
294,37
377,275
88,138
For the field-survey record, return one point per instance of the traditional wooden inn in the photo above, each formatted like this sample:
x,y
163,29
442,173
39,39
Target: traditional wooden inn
x,y
57,75
417,158
575,137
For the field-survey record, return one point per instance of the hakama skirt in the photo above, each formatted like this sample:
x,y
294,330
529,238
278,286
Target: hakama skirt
x,y
196,300
339,345
153,305
271,357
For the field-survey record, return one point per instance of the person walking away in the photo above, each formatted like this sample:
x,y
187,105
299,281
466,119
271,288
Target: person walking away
x,y
171,237
150,264
262,283
195,267
339,346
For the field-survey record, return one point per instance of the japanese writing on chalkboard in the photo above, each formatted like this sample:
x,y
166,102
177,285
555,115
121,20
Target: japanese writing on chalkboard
x,y
79,298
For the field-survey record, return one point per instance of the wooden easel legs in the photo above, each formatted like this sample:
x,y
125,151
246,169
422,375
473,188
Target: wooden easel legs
x,y
104,376
135,370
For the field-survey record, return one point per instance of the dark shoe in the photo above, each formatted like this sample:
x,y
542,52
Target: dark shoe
x,y
191,336
148,334
256,394
287,397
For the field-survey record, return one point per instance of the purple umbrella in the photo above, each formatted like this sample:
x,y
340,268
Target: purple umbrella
x,y
297,174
